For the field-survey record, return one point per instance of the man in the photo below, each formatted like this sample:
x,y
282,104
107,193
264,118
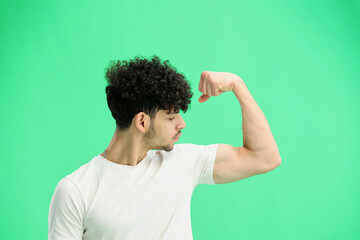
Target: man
x,y
140,187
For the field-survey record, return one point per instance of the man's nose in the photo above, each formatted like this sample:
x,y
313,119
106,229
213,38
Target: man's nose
x,y
182,123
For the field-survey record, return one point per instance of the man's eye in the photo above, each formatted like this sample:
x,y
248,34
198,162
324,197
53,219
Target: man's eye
x,y
171,118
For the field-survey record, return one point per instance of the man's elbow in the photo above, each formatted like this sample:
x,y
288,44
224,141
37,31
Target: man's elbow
x,y
276,162
272,162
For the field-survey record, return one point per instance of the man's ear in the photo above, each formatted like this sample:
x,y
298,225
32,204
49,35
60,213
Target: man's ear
x,y
142,121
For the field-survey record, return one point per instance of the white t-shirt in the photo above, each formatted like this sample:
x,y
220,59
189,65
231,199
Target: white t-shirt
x,y
103,200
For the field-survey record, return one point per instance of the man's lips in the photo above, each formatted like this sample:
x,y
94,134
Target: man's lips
x,y
178,136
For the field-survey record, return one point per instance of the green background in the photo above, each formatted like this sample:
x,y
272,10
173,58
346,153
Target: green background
x,y
299,59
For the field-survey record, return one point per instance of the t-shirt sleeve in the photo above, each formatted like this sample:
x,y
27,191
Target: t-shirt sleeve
x,y
66,212
201,159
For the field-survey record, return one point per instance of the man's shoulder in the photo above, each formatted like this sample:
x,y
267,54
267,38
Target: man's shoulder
x,y
180,150
81,170
186,148
193,147
190,149
82,176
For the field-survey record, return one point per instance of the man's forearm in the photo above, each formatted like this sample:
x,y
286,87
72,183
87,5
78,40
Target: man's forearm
x,y
257,135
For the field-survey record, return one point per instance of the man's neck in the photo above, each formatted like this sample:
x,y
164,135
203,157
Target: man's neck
x,y
125,149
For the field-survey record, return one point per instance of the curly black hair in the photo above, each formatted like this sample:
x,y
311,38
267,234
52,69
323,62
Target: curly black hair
x,y
143,85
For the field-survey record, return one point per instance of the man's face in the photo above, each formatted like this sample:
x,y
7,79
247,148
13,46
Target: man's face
x,y
164,128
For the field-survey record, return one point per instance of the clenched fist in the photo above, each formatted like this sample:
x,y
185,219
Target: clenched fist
x,y
215,83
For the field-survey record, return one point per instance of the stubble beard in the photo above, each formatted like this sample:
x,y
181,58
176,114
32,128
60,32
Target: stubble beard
x,y
151,141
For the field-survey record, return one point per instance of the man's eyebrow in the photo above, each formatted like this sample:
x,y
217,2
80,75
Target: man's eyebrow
x,y
172,113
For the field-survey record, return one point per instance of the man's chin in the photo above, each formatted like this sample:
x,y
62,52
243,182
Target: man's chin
x,y
169,148
166,148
